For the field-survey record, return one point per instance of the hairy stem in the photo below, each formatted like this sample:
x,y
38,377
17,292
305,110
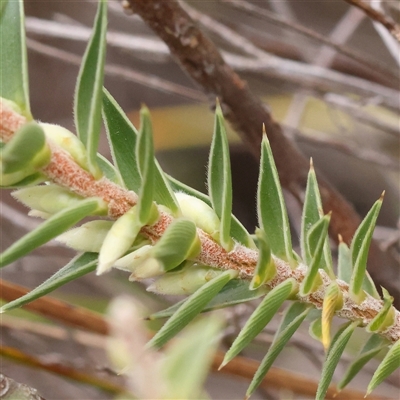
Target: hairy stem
x,y
63,170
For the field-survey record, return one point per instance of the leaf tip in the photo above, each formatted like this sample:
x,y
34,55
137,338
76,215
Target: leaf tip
x,y
311,164
382,195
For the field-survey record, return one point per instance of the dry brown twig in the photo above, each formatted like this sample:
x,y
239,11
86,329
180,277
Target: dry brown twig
x,y
378,16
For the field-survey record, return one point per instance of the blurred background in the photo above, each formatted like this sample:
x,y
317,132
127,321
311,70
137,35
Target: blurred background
x,y
346,118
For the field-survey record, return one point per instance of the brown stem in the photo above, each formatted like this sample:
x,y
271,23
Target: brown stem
x,y
201,60
62,370
378,16
63,170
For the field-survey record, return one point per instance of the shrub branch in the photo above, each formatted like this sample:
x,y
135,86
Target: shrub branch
x,y
63,170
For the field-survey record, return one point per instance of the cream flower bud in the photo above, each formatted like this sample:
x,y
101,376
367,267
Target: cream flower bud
x,y
87,237
184,282
68,141
200,213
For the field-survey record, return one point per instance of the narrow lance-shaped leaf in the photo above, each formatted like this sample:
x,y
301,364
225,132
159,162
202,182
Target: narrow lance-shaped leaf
x,y
109,170
48,230
333,301
178,243
389,364
291,321
190,308
89,86
315,329
77,267
345,269
146,166
271,209
260,318
345,266
265,268
188,360
359,251
312,212
14,84
220,179
119,239
27,148
373,346
122,137
316,240
234,292
333,356
238,231
386,315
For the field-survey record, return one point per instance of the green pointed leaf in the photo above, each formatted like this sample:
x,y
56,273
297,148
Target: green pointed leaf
x,y
178,243
146,166
386,315
220,179
14,84
88,96
119,239
373,346
345,269
190,309
188,360
291,321
238,231
345,266
316,240
265,268
389,364
315,329
49,199
312,212
109,170
27,148
184,281
48,230
260,318
88,237
271,208
234,292
333,356
77,267
122,137
359,251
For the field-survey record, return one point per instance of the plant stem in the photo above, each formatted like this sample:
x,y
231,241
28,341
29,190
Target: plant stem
x,y
64,171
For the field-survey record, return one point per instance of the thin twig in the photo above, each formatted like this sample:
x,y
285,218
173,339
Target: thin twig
x,y
378,16
279,378
129,74
56,309
240,366
61,370
259,12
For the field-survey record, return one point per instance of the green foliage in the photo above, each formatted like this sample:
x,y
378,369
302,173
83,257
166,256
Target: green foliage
x,y
89,86
271,208
220,180
14,61
186,239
